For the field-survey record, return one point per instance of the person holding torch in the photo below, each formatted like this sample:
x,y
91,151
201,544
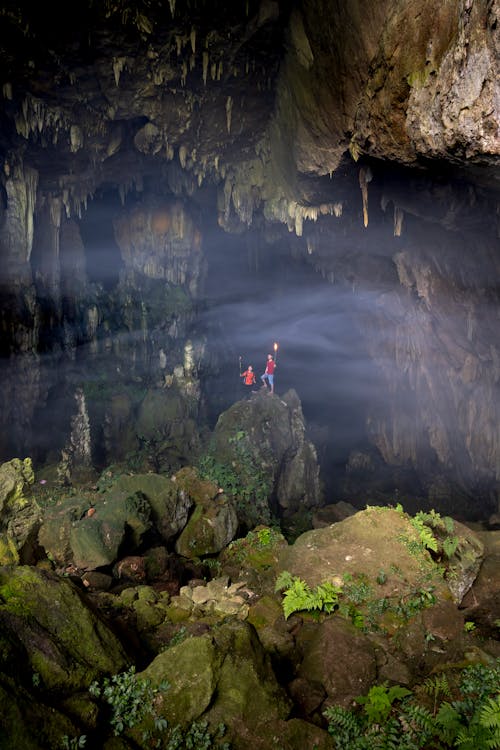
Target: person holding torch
x,y
267,376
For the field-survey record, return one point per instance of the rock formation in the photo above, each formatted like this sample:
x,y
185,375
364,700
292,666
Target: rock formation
x,y
363,138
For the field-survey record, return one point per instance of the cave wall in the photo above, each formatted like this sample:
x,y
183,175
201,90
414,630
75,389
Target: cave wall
x,y
316,122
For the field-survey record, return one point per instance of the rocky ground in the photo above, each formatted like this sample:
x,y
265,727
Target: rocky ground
x,y
111,591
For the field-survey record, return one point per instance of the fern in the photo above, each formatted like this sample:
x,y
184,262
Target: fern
x,y
489,715
297,597
450,544
284,581
436,686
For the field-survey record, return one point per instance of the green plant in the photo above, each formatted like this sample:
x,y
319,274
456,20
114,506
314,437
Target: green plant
x,y
381,577
131,699
243,477
379,699
197,737
178,637
73,743
469,626
298,596
394,718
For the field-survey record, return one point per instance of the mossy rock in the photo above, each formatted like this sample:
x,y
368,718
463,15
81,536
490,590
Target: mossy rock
x,y
26,723
71,536
221,677
377,558
52,631
210,528
20,514
170,506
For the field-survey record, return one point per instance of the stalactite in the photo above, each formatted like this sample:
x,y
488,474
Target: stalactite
x,y
213,71
182,155
7,91
76,138
365,176
118,66
229,109
172,7
192,38
398,221
184,73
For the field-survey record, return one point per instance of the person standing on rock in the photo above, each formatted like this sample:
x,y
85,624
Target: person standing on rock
x,y
268,375
248,377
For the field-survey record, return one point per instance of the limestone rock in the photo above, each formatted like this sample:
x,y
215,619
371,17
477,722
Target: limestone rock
x,y
20,514
213,523
201,672
47,629
170,505
71,536
262,443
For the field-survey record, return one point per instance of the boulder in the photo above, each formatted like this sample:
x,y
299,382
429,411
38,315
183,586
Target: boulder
x,y
337,659
260,452
220,677
170,504
20,514
86,537
213,523
378,554
48,630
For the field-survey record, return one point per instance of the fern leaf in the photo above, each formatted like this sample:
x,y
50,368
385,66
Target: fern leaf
x,y
489,715
284,581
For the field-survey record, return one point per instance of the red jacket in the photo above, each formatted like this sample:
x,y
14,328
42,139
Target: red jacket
x,y
249,376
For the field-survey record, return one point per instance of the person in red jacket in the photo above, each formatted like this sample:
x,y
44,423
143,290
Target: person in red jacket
x,y
248,376
268,375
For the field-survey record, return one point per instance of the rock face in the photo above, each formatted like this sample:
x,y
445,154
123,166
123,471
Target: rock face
x,y
20,514
259,444
364,139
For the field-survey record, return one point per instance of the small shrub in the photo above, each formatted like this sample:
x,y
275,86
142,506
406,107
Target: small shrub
x,y
131,699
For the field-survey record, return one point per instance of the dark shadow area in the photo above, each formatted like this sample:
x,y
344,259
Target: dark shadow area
x,y
103,259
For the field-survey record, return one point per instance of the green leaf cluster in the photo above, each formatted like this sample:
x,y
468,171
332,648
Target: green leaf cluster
x,y
298,596
437,715
131,699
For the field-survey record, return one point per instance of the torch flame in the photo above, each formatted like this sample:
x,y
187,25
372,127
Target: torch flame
x,y
275,346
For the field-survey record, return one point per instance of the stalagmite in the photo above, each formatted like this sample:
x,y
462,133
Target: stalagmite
x,y
365,176
229,109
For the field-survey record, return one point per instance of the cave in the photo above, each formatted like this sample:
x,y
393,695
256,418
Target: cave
x,y
323,176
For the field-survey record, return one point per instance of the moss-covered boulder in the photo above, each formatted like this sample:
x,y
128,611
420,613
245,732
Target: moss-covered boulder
x,y
259,454
170,504
389,553
213,523
27,723
89,537
223,676
47,629
20,515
